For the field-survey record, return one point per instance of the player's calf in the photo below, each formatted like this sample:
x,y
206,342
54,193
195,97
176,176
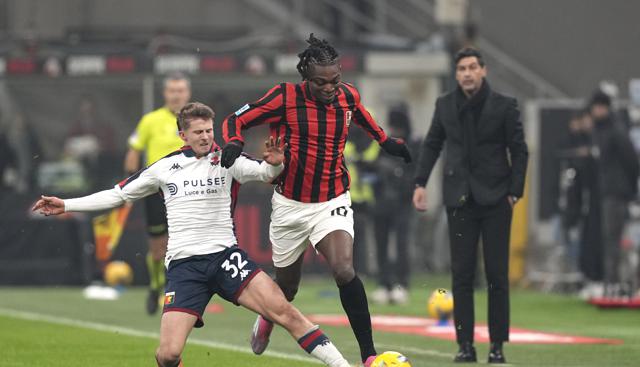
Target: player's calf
x,y
285,314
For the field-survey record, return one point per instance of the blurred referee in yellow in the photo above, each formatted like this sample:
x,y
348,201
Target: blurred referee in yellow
x,y
157,135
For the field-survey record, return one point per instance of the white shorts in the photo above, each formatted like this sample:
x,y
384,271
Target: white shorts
x,y
294,222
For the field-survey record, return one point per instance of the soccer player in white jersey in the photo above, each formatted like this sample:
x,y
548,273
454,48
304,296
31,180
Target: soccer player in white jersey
x,y
203,257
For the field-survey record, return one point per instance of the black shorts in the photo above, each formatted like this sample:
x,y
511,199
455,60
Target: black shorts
x,y
191,282
156,215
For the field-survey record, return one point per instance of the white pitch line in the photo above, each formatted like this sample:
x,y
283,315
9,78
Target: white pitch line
x,y
404,349
140,333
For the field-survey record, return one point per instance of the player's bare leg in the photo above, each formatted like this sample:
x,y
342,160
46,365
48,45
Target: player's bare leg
x,y
174,330
155,265
263,296
288,279
337,248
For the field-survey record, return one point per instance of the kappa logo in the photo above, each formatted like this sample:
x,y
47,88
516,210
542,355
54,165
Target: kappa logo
x,y
243,274
175,166
348,116
169,297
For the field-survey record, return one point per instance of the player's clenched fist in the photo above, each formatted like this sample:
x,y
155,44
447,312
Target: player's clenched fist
x,y
397,147
230,152
420,198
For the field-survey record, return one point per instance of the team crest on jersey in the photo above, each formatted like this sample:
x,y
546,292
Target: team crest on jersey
x,y
348,116
215,160
169,297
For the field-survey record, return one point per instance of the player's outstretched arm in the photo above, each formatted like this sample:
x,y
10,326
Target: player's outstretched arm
x,y
49,205
107,199
247,169
143,183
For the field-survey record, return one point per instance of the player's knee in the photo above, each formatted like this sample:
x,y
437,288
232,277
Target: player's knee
x,y
168,357
343,273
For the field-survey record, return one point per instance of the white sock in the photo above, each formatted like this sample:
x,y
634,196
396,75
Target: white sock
x,y
316,343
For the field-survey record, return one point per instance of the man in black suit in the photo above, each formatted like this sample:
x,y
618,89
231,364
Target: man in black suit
x,y
484,174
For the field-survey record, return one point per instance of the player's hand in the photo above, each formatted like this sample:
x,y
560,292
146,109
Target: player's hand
x,y
274,151
420,198
230,153
49,205
397,147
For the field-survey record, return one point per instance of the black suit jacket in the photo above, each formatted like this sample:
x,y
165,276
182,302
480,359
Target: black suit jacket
x,y
487,159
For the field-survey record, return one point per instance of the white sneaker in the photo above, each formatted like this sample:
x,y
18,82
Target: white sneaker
x,y
399,295
592,290
380,296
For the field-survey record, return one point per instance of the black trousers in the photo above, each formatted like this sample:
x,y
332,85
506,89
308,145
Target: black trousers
x,y
393,221
466,225
614,217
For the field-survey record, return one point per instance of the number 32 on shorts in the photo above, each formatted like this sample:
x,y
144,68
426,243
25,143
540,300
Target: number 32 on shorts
x,y
228,266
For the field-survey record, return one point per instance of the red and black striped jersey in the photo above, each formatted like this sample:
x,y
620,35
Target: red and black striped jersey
x,y
315,170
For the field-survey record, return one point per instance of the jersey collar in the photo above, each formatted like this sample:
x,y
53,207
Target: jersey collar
x,y
188,151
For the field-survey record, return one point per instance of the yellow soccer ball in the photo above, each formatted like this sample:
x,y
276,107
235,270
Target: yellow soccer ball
x,y
118,273
391,359
440,304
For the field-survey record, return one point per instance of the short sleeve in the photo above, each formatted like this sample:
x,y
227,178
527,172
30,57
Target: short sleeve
x,y
140,137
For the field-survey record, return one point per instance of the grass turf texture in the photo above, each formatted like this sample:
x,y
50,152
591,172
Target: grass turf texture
x,y
42,343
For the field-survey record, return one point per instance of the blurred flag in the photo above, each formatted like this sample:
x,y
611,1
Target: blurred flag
x,y
107,229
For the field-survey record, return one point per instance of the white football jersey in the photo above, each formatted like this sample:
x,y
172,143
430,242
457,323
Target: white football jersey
x,y
199,194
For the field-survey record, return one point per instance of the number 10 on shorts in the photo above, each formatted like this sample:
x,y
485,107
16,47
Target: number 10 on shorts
x,y
341,211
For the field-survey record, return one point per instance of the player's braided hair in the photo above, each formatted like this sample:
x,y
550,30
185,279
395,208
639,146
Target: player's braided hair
x,y
319,52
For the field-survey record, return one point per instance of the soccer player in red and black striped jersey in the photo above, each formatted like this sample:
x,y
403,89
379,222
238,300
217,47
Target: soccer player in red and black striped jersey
x,y
311,202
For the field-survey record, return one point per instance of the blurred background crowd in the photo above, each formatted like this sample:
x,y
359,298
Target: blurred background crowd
x,y
76,76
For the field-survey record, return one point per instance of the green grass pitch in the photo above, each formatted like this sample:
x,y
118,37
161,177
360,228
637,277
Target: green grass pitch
x,y
58,327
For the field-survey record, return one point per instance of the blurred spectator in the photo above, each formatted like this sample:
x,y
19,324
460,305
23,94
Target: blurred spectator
x,y
87,122
8,162
392,215
618,171
91,141
582,210
576,173
28,152
361,153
